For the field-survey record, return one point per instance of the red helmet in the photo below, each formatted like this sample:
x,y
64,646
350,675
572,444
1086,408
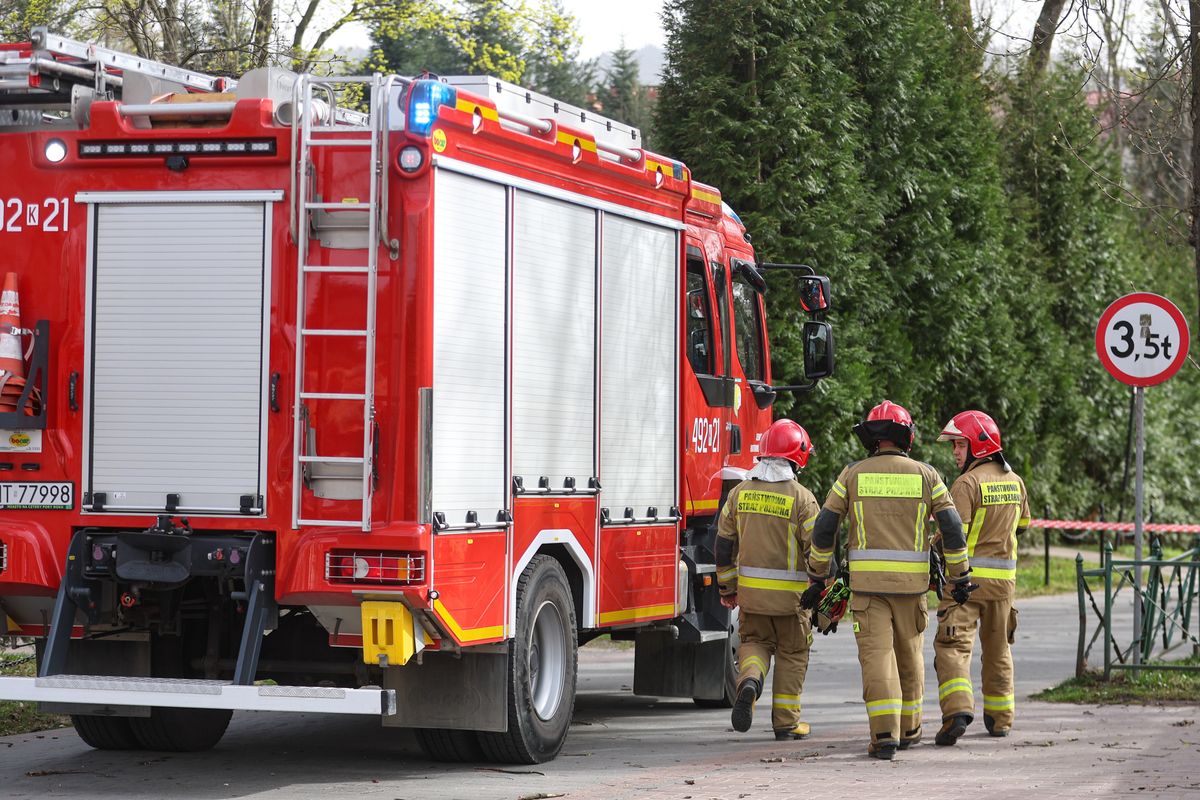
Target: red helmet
x,y
978,429
786,439
886,422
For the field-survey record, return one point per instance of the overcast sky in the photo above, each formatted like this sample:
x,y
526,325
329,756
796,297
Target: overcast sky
x,y
604,22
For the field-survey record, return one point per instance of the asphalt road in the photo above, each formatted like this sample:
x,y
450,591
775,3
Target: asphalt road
x,y
617,739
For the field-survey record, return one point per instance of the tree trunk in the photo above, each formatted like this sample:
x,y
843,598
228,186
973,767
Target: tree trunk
x,y
1043,35
1194,110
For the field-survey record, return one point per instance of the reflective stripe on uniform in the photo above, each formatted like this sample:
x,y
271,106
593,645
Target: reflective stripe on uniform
x,y
777,579
862,528
839,489
753,661
955,685
770,503
810,523
1001,702
879,708
1004,569
793,547
785,701
1023,522
955,556
913,706
726,575
921,517
975,529
938,490
888,561
889,484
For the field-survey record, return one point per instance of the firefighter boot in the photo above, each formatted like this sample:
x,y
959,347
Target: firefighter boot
x,y
990,723
883,748
743,707
953,727
801,731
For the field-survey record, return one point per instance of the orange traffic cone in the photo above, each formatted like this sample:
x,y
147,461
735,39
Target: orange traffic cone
x,y
12,362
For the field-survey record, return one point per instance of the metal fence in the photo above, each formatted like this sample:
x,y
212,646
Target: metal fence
x,y
1170,593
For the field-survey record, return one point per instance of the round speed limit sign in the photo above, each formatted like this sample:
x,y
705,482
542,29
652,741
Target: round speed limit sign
x,y
1142,339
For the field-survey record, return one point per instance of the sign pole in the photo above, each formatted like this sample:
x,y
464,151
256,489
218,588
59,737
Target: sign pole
x,y
1142,339
1140,426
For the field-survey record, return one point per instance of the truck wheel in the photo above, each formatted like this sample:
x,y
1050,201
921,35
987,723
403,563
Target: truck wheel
x,y
542,663
731,670
105,733
454,746
181,730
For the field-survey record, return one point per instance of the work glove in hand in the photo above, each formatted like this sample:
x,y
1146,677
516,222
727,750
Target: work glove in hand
x,y
812,595
962,591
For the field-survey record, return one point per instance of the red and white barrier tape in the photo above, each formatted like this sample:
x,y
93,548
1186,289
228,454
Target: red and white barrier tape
x,y
1094,525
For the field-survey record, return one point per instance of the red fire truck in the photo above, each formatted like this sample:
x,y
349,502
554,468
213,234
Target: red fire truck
x,y
361,395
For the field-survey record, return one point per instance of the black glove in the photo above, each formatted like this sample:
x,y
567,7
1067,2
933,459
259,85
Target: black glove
x,y
962,591
812,595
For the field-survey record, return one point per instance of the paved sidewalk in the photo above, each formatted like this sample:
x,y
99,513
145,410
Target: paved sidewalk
x,y
625,746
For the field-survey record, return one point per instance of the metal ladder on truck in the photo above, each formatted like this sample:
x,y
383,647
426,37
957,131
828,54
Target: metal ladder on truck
x,y
314,125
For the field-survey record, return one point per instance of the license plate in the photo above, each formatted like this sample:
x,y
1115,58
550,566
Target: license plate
x,y
37,494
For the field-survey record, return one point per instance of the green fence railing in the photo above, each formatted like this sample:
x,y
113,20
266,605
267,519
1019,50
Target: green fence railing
x,y
1170,594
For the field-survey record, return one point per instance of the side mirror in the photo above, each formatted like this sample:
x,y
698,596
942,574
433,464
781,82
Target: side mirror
x,y
752,276
818,349
814,293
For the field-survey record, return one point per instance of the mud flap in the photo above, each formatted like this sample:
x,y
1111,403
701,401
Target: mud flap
x,y
666,667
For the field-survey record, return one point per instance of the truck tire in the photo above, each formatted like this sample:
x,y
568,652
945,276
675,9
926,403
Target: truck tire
x,y
731,671
178,730
181,730
452,746
542,661
105,733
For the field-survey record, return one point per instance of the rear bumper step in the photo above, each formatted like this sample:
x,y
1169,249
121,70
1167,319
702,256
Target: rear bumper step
x,y
187,693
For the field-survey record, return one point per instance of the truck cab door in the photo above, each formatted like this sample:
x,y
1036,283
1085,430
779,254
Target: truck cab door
x,y
752,396
707,391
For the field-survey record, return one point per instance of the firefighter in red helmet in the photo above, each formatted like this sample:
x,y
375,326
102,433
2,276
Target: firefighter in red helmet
x,y
762,543
888,498
991,498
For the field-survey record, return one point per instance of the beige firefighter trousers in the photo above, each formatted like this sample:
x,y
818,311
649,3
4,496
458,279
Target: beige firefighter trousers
x,y
787,638
997,621
890,634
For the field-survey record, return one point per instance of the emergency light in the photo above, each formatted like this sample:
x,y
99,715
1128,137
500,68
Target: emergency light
x,y
424,100
56,151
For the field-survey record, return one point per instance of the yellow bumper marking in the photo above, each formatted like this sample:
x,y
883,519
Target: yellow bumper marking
x,y
632,614
707,197
465,634
703,505
387,633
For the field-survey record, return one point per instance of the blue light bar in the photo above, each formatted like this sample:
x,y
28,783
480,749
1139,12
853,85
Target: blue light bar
x,y
424,100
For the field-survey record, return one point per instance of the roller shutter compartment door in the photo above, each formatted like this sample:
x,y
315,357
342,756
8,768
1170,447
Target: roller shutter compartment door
x,y
177,356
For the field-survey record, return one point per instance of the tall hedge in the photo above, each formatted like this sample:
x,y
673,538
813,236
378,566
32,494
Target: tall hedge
x,y
961,215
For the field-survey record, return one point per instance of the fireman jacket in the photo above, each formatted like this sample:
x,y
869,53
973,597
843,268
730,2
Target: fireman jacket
x,y
889,497
763,538
995,507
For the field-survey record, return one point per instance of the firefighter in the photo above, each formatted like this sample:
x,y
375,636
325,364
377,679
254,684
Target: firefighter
x,y
888,497
762,544
993,501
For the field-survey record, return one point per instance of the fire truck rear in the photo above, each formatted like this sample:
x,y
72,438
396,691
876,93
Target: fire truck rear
x,y
360,395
